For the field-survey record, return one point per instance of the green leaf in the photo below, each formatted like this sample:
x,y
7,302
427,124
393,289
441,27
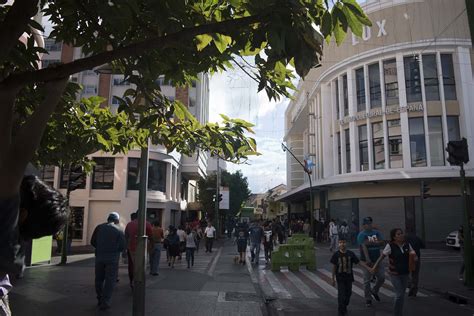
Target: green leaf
x,y
353,22
203,40
222,41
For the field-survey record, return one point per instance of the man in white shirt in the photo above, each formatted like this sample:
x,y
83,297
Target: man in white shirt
x,y
210,233
182,240
333,235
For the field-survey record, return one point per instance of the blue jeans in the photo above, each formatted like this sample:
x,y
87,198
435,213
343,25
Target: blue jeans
x,y
105,279
380,277
400,283
155,258
190,256
255,251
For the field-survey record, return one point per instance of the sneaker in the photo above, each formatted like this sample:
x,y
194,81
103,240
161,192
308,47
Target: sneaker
x,y
104,306
375,295
368,303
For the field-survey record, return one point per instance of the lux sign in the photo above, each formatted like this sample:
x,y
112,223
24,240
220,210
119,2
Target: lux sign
x,y
367,32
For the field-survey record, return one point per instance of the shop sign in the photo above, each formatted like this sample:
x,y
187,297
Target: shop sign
x,y
380,112
367,32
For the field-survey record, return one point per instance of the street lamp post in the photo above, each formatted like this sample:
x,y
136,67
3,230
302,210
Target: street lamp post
x,y
308,172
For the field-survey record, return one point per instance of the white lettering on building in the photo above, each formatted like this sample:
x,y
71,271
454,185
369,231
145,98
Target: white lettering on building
x,y
380,112
367,32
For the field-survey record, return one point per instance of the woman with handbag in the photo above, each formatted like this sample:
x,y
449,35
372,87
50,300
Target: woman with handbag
x,y
402,261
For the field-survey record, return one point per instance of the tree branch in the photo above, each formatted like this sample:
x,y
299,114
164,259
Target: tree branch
x,y
7,104
15,24
154,43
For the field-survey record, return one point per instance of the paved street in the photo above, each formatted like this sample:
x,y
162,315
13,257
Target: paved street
x,y
214,286
218,286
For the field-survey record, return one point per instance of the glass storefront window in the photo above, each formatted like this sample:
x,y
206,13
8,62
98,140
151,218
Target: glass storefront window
x,y
435,134
360,88
345,95
374,86
448,77
395,144
453,128
336,98
430,73
391,82
103,174
348,150
378,145
417,142
156,175
412,79
363,148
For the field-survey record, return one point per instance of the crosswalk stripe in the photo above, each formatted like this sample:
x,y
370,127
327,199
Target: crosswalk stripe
x,y
275,284
355,288
320,282
306,290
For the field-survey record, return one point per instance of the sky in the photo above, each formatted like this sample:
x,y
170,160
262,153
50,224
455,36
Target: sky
x,y
234,94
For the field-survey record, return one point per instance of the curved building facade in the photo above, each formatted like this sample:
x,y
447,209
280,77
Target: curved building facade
x,y
377,115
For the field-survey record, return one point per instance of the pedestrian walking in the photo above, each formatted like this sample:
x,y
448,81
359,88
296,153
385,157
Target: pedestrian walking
x,y
344,231
399,252
416,243
109,242
370,241
268,238
210,233
182,240
256,237
157,238
461,243
173,245
199,236
190,247
242,242
333,235
131,238
342,274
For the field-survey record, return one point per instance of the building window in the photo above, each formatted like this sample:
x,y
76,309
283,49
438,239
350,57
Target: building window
x,y
430,74
374,86
336,98
103,175
348,150
339,163
417,142
120,81
51,45
412,79
395,144
46,62
363,148
378,145
435,133
115,101
453,128
65,175
345,95
156,175
448,77
161,81
133,175
89,89
391,82
360,87
47,175
77,222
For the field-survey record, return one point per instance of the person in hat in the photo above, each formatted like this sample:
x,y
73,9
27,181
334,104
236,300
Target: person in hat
x,y
370,242
109,242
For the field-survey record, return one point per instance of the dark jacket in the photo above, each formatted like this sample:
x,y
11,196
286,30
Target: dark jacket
x,y
109,241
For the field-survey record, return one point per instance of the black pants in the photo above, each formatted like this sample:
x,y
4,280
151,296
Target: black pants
x,y
415,276
344,291
268,247
209,242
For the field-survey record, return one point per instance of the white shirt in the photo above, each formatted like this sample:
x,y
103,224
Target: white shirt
x,y
210,232
181,234
388,250
332,229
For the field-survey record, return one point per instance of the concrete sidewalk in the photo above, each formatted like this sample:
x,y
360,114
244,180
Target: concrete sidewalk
x,y
223,288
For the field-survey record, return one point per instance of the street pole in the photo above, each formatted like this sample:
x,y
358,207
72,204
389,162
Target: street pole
x,y
217,198
308,172
422,212
140,254
64,245
468,263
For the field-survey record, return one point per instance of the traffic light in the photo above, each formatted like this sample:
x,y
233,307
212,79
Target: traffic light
x,y
458,152
220,197
213,198
425,189
77,178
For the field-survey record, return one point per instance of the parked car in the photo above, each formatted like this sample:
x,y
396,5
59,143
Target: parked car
x,y
452,240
